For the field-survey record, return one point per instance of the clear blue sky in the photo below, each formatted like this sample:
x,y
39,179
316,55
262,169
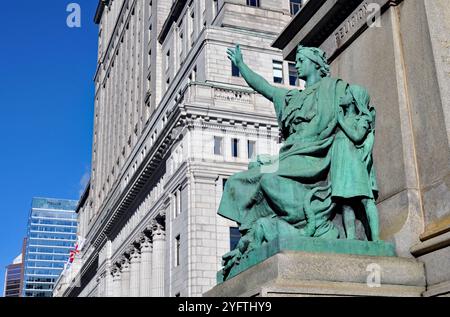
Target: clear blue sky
x,y
46,100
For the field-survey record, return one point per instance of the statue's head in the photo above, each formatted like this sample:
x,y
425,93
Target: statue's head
x,y
310,60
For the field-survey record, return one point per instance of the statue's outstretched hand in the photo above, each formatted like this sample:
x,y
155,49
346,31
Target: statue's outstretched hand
x,y
235,55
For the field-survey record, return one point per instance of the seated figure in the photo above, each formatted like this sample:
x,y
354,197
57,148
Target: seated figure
x,y
289,193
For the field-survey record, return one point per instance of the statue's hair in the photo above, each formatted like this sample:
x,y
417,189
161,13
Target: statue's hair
x,y
317,56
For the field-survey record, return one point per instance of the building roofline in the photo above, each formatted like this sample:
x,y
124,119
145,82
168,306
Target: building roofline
x,y
99,12
83,197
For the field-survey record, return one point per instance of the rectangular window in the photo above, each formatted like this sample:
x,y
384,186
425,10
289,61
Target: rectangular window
x,y
183,200
181,47
204,17
216,8
296,5
192,39
234,147
177,202
251,149
167,59
194,74
293,75
253,3
235,236
218,145
177,250
235,71
277,72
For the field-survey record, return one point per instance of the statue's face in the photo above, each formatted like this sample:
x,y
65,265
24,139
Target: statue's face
x,y
305,67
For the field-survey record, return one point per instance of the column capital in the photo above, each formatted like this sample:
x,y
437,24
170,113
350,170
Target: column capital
x,y
145,242
124,263
158,231
135,254
115,272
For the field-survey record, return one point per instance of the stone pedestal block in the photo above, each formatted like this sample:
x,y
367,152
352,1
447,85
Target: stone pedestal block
x,y
297,273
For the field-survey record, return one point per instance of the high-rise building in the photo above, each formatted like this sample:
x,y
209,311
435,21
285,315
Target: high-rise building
x,y
14,275
51,234
173,119
13,278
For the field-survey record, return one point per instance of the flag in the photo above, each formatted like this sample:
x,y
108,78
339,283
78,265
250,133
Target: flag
x,y
72,253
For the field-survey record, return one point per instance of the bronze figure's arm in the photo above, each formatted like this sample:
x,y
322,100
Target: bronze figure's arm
x,y
254,80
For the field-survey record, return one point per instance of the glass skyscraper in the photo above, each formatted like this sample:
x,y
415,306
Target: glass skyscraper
x,y
51,234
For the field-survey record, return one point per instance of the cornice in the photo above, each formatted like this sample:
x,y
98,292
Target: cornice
x,y
316,24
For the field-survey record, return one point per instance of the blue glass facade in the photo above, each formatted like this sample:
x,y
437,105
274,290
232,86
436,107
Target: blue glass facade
x,y
51,234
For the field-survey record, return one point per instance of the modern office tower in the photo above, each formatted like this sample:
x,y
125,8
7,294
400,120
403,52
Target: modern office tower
x,y
173,119
51,234
13,278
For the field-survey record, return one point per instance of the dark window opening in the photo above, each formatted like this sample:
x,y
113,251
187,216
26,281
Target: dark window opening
x,y
296,5
235,236
177,250
293,75
253,3
235,71
234,147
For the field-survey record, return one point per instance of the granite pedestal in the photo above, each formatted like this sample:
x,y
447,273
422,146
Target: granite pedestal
x,y
299,273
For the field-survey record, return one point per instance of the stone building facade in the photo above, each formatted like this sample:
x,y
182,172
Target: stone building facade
x,y
173,120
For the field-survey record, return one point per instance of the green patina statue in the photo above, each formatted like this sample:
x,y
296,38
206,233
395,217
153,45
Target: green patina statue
x,y
324,167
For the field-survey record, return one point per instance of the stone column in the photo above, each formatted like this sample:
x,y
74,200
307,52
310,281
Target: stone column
x,y
135,265
102,292
125,272
109,286
117,282
146,266
159,241
99,280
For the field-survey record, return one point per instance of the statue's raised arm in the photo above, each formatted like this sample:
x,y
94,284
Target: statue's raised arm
x,y
254,80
